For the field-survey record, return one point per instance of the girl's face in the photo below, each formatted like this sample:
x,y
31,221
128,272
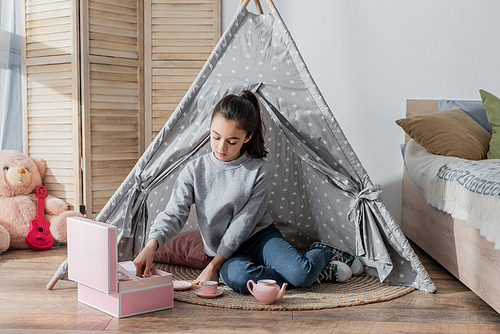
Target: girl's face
x,y
226,139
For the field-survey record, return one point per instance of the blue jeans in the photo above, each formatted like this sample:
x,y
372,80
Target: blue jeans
x,y
267,255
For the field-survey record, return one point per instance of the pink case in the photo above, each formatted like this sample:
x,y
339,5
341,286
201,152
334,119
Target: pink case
x,y
92,262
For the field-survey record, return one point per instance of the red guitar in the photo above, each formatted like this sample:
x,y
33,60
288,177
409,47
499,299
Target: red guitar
x,y
39,236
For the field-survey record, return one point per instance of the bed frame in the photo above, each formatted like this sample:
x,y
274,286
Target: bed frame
x,y
460,249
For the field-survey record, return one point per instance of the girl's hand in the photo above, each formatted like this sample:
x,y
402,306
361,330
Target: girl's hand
x,y
144,260
208,274
211,272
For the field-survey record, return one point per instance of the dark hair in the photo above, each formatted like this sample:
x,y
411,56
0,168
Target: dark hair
x,y
244,110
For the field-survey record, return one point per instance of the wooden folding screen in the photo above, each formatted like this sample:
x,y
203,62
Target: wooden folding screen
x,y
51,93
101,77
179,35
112,95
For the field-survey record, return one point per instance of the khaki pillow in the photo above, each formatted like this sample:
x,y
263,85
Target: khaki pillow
x,y
451,133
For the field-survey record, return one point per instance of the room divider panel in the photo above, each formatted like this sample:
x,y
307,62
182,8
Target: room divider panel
x,y
101,77
51,89
112,94
179,35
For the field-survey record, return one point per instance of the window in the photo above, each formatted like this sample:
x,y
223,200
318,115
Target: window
x,y
10,77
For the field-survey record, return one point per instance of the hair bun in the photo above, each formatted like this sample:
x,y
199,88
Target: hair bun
x,y
246,94
250,97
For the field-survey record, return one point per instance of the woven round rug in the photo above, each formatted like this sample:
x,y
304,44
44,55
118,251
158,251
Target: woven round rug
x,y
358,290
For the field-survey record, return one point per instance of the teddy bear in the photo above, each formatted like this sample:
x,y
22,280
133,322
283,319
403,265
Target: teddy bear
x,y
18,202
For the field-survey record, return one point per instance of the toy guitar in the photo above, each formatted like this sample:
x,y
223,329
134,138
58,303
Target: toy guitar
x,y
39,236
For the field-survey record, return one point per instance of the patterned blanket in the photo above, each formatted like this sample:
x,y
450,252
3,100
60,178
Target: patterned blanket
x,y
468,190
481,177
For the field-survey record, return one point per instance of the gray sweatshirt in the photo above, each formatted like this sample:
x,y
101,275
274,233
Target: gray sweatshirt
x,y
231,202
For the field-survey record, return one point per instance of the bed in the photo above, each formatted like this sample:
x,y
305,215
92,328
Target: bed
x,y
461,249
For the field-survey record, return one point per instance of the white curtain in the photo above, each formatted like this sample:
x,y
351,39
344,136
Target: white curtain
x,y
10,77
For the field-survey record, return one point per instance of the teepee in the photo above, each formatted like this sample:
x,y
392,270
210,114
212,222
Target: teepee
x,y
320,190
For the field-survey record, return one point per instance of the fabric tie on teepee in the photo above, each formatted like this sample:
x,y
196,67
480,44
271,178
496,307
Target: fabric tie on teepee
x,y
137,194
370,193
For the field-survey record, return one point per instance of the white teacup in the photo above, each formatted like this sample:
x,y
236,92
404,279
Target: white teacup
x,y
209,287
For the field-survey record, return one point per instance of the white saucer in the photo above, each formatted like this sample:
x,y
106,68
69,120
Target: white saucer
x,y
181,285
211,295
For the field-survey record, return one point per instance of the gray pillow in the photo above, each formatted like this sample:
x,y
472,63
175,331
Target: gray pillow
x,y
402,147
472,108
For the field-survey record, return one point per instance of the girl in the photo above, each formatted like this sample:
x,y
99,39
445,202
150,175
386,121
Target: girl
x,y
231,189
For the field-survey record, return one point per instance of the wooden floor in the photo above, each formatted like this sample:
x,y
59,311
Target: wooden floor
x,y
26,306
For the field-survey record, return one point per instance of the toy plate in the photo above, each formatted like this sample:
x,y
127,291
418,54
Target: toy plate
x,y
181,285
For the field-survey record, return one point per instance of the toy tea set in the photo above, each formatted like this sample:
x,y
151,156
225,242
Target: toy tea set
x,y
112,286
266,291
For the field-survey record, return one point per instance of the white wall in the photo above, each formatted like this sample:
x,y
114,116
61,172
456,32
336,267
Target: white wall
x,y
368,56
